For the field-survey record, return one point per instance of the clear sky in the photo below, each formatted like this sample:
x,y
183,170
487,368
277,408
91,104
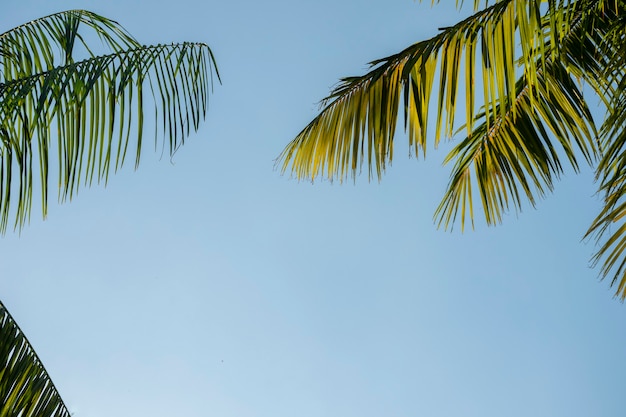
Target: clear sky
x,y
210,285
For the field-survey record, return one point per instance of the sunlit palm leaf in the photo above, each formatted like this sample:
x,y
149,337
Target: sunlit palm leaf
x,y
25,387
358,121
86,111
529,59
519,150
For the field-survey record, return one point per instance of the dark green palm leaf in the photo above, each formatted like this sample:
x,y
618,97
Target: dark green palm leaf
x,y
609,227
51,41
514,158
26,389
86,111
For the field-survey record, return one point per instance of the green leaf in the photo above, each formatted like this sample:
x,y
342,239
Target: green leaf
x,y
26,389
530,60
85,111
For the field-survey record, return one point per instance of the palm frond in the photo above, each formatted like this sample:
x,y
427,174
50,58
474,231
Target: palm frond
x,y
358,122
26,389
609,227
528,60
514,158
87,111
359,118
50,41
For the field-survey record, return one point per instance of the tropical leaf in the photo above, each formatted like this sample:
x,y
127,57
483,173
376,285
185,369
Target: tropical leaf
x,y
358,121
527,64
609,227
45,43
86,111
26,389
514,158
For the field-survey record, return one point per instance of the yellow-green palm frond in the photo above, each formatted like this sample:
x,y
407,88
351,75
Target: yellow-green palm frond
x,y
81,117
358,121
527,64
26,389
515,158
486,53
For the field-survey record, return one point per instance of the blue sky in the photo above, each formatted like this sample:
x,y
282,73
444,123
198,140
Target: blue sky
x,y
210,285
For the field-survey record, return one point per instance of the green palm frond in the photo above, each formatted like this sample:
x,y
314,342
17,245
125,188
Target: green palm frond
x,y
78,116
611,222
51,41
26,389
528,64
358,122
522,150
609,227
514,158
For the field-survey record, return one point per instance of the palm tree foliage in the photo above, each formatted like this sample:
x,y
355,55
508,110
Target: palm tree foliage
x,y
25,387
63,107
521,67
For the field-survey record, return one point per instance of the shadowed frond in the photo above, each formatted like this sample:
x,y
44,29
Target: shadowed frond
x,y
86,112
514,158
50,41
609,227
25,387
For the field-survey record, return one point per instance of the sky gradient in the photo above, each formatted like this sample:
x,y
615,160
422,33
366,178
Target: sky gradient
x,y
210,285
